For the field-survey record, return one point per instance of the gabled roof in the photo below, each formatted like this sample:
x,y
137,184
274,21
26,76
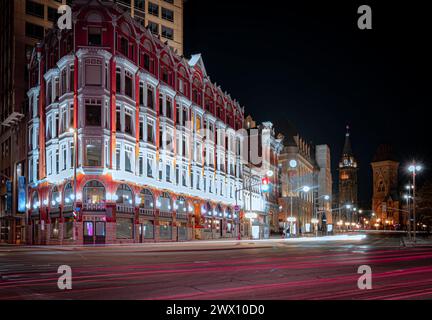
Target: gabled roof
x,y
196,60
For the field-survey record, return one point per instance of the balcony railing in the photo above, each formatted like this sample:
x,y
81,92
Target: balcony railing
x,y
68,208
164,214
124,208
147,212
94,206
182,216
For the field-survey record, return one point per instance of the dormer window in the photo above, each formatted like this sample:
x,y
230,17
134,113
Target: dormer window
x,y
94,36
124,46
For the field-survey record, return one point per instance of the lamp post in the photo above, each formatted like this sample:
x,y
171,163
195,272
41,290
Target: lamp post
x,y
305,189
414,168
408,198
75,141
326,198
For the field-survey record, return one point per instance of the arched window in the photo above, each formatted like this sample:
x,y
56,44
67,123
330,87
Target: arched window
x,y
124,195
220,108
182,81
219,211
208,103
35,203
68,194
93,192
166,70
181,205
164,202
207,210
197,91
55,198
147,199
229,213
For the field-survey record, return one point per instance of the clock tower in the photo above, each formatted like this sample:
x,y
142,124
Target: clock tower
x,y
347,181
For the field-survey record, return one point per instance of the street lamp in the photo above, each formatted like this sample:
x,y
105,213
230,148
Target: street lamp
x,y
414,168
305,189
75,141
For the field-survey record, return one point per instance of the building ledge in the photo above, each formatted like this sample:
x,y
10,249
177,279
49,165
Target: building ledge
x,y
13,119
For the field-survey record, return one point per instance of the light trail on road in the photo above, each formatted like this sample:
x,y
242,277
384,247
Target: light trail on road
x,y
315,270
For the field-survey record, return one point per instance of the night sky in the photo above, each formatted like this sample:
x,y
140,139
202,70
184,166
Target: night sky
x,y
308,64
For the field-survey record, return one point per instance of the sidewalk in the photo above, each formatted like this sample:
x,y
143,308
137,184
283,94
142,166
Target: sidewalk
x,y
420,241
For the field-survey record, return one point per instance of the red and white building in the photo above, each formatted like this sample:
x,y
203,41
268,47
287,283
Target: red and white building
x,y
157,151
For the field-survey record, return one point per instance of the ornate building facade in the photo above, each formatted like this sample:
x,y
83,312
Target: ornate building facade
x,y
154,142
298,169
24,23
348,186
261,161
385,199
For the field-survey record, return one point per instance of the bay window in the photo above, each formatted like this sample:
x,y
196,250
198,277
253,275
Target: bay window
x,y
93,150
93,113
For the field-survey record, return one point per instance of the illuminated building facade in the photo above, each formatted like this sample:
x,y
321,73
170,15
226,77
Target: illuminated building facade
x,y
348,187
385,198
155,142
298,170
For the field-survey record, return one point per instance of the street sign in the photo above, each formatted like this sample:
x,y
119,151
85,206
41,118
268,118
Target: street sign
x,y
237,209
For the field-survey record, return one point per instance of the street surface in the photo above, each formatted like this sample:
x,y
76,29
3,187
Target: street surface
x,y
222,270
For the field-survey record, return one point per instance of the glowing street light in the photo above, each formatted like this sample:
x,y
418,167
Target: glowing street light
x,y
414,168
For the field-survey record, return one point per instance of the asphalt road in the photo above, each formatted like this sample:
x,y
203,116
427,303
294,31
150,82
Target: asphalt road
x,y
221,270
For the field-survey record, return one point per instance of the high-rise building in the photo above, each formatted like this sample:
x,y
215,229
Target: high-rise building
x,y
164,18
385,199
325,185
23,24
348,186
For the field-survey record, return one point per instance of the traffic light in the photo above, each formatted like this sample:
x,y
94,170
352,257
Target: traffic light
x,y
265,184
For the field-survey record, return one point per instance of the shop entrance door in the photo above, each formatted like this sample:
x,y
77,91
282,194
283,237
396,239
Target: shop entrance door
x,y
100,232
89,232
141,231
94,232
35,233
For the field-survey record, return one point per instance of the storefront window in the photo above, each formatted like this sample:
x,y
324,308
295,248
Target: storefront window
x,y
165,230
55,229
124,228
182,231
68,229
148,230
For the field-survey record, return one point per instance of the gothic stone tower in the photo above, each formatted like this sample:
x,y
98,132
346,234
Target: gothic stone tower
x,y
347,179
385,187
